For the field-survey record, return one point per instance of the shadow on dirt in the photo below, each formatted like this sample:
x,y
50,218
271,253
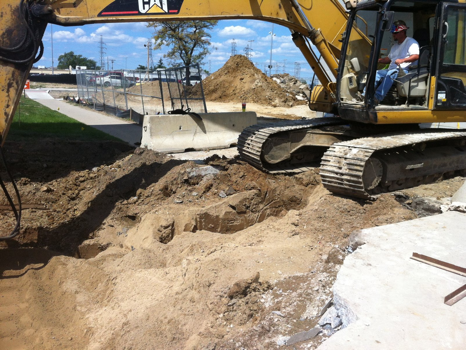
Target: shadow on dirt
x,y
19,261
48,160
67,237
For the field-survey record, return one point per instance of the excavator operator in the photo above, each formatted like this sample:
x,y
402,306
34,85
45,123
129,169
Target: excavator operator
x,y
403,54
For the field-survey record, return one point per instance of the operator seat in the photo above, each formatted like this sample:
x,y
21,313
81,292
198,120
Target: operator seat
x,y
414,83
422,35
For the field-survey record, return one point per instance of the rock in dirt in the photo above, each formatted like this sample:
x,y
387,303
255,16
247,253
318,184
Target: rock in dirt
x,y
331,317
302,336
240,287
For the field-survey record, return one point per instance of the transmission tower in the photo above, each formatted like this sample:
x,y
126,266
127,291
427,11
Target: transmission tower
x,y
249,49
297,70
234,48
102,52
112,62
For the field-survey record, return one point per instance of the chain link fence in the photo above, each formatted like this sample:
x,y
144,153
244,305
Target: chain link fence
x,y
132,94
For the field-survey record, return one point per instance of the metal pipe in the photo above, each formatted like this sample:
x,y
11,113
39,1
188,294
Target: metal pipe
x,y
302,15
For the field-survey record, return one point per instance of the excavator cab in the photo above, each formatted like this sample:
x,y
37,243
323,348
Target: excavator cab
x,y
433,88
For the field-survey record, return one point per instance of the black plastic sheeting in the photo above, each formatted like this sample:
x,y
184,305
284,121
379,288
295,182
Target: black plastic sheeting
x,y
53,78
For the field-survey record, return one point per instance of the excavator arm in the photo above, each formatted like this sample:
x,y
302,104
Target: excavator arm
x,y
23,23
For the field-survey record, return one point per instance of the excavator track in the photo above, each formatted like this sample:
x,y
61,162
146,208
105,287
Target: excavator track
x,y
252,139
366,167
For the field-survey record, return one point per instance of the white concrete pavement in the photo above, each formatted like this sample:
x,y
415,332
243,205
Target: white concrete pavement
x,y
117,127
389,301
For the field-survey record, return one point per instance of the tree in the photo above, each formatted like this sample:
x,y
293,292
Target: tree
x,y
141,67
70,59
188,40
160,64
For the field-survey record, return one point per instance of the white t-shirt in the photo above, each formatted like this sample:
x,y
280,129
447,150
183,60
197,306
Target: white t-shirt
x,y
408,48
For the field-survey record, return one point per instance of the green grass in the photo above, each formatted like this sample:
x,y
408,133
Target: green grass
x,y
34,121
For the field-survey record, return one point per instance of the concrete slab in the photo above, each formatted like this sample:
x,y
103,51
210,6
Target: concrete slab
x,y
389,301
459,196
38,94
200,156
125,131
180,132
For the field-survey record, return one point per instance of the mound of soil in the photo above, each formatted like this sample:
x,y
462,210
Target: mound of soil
x,y
240,81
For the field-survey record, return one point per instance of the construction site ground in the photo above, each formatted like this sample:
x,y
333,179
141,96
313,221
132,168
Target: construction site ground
x,y
126,248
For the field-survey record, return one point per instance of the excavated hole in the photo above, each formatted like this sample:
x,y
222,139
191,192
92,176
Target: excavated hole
x,y
84,212
222,196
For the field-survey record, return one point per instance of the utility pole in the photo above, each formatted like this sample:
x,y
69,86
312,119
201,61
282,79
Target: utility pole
x,y
150,61
271,33
52,45
112,61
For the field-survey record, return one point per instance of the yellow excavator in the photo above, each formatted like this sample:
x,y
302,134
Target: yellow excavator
x,y
415,135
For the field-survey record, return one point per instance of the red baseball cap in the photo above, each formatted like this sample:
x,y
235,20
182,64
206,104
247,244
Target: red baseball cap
x,y
398,28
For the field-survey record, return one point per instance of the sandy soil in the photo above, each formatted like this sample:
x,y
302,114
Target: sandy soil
x,y
124,248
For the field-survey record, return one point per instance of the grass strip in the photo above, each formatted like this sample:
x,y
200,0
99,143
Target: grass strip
x,y
34,121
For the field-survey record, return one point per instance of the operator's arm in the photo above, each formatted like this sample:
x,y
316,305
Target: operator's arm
x,y
384,60
411,58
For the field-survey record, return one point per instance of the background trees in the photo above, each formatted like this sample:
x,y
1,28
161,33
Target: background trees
x,y
70,59
188,41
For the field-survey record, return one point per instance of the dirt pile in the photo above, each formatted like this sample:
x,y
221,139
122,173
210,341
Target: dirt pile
x,y
293,86
240,81
174,254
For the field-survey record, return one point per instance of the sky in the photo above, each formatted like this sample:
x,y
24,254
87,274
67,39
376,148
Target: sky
x,y
124,45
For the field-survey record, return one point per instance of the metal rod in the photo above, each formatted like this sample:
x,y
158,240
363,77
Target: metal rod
x,y
439,264
455,296
302,16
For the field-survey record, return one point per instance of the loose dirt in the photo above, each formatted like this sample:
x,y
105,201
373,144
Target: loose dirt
x,y
124,248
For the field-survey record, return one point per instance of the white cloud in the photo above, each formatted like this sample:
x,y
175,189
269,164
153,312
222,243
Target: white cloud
x,y
287,49
79,32
63,35
103,30
258,24
236,31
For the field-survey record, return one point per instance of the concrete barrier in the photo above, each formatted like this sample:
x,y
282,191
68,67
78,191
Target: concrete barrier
x,y
459,196
181,132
